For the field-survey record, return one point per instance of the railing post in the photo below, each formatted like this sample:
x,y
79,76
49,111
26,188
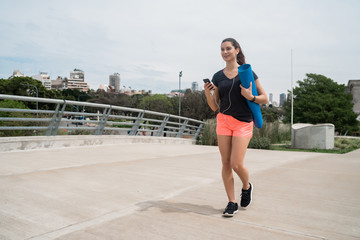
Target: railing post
x,y
56,118
53,119
59,119
100,128
162,126
136,125
182,129
198,131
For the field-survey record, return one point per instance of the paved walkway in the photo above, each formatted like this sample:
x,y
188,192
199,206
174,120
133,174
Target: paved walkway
x,y
174,191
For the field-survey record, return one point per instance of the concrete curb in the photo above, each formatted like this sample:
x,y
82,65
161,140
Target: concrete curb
x,y
45,142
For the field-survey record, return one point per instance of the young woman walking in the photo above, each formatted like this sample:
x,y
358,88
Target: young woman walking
x,y
234,121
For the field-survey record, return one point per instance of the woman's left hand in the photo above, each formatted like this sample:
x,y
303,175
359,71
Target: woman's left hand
x,y
247,92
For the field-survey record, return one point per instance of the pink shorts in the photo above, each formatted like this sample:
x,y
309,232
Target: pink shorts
x,y
229,126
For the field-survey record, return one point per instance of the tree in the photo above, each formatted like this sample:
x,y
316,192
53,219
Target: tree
x,y
14,104
270,114
319,99
24,86
158,103
194,105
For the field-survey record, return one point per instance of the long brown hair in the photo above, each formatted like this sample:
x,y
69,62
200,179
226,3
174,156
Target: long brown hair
x,y
240,58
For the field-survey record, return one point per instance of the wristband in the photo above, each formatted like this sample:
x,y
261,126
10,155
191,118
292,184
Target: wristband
x,y
253,99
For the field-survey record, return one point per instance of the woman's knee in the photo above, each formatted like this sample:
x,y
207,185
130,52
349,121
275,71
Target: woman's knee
x,y
227,167
237,167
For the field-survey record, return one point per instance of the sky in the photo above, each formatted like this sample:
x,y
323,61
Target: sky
x,y
150,42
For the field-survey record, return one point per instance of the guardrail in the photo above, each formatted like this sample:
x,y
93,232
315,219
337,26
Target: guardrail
x,y
99,119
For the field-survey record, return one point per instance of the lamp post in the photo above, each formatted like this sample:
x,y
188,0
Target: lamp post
x,y
180,75
37,95
292,100
292,91
77,106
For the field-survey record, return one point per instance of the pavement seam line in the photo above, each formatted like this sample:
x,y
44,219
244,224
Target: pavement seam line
x,y
291,232
274,229
111,215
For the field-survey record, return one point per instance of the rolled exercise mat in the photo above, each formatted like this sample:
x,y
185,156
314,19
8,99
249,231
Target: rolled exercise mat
x,y
246,76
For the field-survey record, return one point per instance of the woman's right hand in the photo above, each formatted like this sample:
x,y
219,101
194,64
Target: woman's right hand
x,y
211,95
208,87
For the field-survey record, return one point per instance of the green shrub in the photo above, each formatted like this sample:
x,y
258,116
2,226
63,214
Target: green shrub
x,y
270,133
260,143
276,132
347,143
209,133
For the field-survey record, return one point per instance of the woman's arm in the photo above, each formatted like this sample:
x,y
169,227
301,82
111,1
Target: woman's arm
x,y
212,100
260,99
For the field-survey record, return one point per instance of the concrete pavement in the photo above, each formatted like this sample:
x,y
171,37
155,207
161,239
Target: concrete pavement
x,y
168,190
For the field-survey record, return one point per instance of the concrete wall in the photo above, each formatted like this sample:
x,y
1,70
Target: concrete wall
x,y
308,136
353,87
43,142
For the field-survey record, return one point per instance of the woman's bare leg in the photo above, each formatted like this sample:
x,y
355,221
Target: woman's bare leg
x,y
238,151
225,146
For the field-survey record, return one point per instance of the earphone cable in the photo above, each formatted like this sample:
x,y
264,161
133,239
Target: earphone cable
x,y
229,96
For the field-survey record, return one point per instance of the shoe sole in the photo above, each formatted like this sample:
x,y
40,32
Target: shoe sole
x,y
252,189
229,215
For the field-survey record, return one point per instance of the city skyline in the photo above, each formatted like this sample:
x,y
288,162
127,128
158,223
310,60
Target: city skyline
x,y
112,82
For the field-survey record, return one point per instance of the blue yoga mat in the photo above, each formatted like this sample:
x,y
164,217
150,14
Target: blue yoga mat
x,y
246,76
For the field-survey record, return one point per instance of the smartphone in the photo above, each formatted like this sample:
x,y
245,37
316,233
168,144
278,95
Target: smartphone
x,y
206,80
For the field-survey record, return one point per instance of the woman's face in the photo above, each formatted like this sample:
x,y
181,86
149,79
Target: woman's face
x,y
228,51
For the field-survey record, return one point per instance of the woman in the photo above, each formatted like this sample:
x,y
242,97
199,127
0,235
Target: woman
x,y
234,121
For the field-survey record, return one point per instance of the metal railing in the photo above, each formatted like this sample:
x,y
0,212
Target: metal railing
x,y
98,119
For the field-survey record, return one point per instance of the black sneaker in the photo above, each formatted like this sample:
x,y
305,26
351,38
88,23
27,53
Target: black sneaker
x,y
246,196
231,209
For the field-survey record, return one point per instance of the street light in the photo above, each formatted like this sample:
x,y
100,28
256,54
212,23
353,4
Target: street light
x,y
180,75
292,100
37,95
78,99
292,91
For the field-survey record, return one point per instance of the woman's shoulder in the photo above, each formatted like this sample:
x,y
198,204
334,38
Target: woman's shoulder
x,y
218,74
255,76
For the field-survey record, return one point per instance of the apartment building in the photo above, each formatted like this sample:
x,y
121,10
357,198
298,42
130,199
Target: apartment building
x,y
114,81
77,81
44,78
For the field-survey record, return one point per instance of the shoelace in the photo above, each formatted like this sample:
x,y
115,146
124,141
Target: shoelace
x,y
229,206
245,194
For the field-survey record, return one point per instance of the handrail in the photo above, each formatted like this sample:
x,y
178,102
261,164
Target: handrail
x,y
145,121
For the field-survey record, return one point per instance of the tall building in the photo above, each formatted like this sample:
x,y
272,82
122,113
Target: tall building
x,y
114,81
44,78
77,81
194,86
282,99
270,98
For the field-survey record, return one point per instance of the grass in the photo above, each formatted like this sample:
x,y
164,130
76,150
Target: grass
x,y
341,145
